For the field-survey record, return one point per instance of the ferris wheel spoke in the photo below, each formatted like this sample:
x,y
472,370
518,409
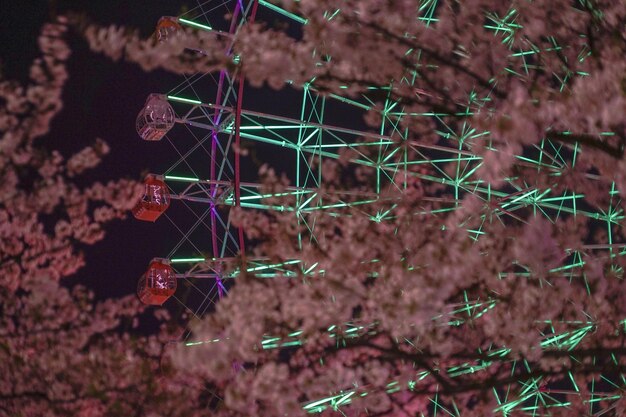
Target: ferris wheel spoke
x,y
186,235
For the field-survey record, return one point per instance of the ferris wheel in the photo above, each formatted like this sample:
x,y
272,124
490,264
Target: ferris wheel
x,y
208,178
207,122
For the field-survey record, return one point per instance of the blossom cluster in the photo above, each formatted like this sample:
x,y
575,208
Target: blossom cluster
x,y
62,353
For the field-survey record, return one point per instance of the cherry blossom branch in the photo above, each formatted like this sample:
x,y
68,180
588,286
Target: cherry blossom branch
x,y
592,141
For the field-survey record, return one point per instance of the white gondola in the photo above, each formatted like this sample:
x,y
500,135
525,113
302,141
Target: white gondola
x,y
155,119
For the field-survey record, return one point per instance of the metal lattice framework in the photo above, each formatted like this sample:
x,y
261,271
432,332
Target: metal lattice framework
x,y
208,179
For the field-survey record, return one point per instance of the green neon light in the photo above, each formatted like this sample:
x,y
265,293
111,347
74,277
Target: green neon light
x,y
263,267
262,206
276,127
183,100
194,24
311,269
319,402
283,12
201,342
176,178
186,260
261,196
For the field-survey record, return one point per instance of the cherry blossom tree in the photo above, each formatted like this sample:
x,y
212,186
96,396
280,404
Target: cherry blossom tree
x,y
61,352
475,296
36,184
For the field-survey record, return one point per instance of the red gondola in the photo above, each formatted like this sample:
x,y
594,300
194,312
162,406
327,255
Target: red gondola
x,y
157,284
155,200
166,27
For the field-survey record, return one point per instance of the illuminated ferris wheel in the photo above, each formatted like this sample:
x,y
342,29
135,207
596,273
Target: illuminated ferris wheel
x,y
207,122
